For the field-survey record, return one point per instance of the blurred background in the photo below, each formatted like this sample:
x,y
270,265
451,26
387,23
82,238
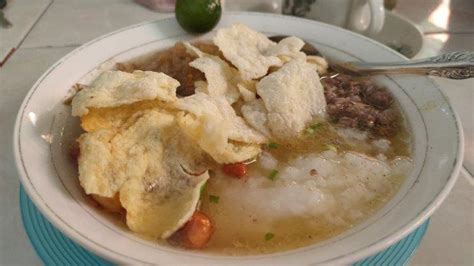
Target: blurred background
x,y
433,26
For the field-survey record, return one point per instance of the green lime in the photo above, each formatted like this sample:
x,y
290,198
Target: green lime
x,y
198,16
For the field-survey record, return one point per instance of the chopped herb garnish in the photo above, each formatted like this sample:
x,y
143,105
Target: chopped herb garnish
x,y
331,147
273,174
316,126
269,236
203,188
313,128
214,199
273,145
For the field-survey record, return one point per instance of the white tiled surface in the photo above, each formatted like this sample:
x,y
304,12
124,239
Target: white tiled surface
x,y
68,23
73,22
450,236
23,15
16,78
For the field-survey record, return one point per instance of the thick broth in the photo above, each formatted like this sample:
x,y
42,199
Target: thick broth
x,y
238,231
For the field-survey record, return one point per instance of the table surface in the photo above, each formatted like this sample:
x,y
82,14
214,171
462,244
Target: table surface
x,y
63,25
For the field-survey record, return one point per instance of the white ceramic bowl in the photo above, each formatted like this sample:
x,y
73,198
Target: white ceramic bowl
x,y
44,126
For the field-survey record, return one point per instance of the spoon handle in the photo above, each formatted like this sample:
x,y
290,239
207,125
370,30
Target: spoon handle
x,y
455,65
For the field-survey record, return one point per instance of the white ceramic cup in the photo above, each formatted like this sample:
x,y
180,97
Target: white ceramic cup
x,y
362,16
266,6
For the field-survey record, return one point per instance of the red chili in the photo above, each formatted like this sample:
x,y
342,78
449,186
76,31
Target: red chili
x,y
237,170
197,231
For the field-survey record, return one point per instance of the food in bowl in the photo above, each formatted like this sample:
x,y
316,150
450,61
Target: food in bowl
x,y
240,145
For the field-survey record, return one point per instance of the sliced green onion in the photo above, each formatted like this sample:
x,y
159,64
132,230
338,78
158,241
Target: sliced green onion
x,y
316,126
203,188
273,145
214,199
313,128
269,236
331,147
273,174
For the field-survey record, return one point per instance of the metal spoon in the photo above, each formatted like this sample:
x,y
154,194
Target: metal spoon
x,y
455,65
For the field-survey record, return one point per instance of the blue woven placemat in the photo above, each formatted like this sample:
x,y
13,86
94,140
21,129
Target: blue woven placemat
x,y
56,249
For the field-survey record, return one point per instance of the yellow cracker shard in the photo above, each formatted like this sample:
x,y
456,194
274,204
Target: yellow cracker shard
x,y
148,161
165,199
95,173
112,156
110,204
292,96
252,52
114,117
115,88
319,63
214,125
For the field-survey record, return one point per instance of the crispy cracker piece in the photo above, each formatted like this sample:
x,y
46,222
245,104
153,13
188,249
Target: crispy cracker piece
x,y
159,215
252,52
247,95
245,49
214,125
114,117
150,162
292,96
115,88
193,50
248,90
228,152
94,164
110,156
110,204
255,114
319,63
289,47
165,199
201,86
221,78
218,110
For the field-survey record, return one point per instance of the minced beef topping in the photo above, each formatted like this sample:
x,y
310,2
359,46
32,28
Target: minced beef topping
x,y
174,62
360,104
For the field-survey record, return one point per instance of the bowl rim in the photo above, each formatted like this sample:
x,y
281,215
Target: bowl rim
x,y
348,258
